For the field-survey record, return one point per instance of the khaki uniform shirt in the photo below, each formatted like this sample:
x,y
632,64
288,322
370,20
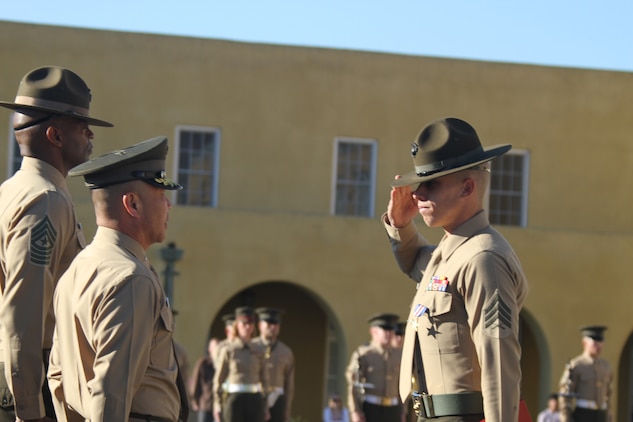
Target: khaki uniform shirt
x,y
280,368
590,379
39,237
238,363
113,352
375,365
466,312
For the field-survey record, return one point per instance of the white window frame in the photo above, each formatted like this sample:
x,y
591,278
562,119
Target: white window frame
x,y
524,187
372,190
216,161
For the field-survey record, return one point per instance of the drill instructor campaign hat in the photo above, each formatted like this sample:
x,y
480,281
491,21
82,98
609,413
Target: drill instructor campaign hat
x,y
143,161
55,90
446,146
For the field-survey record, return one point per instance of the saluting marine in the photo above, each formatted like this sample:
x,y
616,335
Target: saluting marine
x,y
586,383
462,336
373,374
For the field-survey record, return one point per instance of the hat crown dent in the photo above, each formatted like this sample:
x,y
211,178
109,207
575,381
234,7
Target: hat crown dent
x,y
52,83
445,140
443,147
54,90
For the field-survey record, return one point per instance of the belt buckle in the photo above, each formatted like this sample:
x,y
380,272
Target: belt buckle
x,y
422,404
385,401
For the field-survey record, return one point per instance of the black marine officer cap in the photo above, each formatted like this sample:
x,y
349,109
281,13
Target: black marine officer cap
x,y
400,327
272,315
595,332
143,161
55,90
384,321
228,319
245,313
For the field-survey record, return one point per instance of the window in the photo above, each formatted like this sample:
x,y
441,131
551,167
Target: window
x,y
508,189
354,177
197,162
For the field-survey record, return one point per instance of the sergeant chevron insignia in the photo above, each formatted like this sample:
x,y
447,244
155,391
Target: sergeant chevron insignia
x,y
497,317
43,236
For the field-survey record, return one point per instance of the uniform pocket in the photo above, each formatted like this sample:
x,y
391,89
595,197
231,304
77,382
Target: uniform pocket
x,y
163,353
438,330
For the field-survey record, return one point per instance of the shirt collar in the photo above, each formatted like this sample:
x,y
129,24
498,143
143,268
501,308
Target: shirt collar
x,y
48,171
123,241
472,226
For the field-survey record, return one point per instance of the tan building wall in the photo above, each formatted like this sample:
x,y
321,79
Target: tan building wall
x,y
279,110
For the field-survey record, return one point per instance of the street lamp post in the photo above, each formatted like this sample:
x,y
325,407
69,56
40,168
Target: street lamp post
x,y
171,254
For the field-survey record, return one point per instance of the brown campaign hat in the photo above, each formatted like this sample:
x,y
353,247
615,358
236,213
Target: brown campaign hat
x,y
143,161
446,146
269,314
55,90
385,321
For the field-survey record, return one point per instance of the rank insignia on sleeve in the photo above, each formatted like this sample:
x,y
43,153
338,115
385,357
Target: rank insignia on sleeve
x,y
43,236
497,317
437,284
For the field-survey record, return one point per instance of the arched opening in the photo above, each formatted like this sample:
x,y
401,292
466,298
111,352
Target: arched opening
x,y
535,363
625,382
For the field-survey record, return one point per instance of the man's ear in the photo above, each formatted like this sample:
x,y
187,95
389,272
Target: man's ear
x,y
468,187
131,203
52,134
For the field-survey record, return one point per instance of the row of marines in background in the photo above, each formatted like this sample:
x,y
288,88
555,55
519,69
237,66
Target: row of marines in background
x,y
245,378
586,385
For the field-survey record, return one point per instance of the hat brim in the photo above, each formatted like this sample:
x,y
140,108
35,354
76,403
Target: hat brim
x,y
413,179
91,120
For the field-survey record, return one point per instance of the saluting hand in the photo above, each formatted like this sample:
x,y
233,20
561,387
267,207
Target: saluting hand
x,y
402,206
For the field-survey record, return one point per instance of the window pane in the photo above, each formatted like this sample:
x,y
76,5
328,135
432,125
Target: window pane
x,y
507,189
354,178
197,172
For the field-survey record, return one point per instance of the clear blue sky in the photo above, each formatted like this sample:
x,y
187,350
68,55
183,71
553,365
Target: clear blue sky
x,y
586,34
